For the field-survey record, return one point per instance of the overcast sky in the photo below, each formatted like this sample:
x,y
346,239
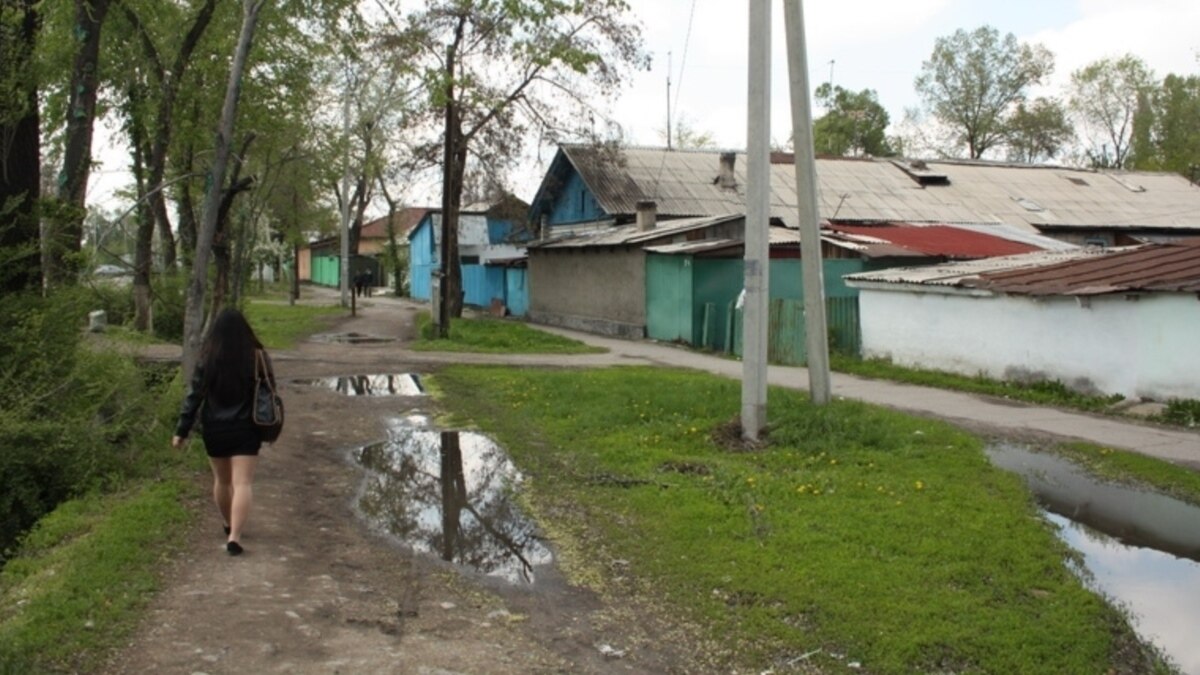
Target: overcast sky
x,y
880,45
872,44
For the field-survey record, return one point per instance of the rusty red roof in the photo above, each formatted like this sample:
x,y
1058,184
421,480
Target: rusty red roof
x,y
1154,267
944,241
404,221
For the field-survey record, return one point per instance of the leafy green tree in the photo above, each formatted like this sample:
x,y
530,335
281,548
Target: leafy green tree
x,y
685,136
1104,98
974,80
1167,127
1038,131
495,70
20,141
855,124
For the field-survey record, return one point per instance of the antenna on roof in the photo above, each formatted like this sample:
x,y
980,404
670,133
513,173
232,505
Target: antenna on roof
x,y
669,100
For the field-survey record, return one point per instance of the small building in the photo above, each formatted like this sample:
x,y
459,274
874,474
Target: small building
x,y
320,261
1109,321
491,250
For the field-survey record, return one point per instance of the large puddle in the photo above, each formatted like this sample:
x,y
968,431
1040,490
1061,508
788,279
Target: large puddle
x,y
1141,549
405,384
450,499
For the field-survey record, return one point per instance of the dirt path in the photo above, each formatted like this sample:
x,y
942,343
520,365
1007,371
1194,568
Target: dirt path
x,y
318,592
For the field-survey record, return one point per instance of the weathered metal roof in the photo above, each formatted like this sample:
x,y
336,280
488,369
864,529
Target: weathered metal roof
x,y
684,183
961,273
629,234
1153,267
943,241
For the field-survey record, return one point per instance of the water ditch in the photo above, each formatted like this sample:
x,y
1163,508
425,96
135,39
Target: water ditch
x,y
1139,548
450,494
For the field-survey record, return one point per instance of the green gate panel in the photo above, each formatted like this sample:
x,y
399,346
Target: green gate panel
x,y
669,310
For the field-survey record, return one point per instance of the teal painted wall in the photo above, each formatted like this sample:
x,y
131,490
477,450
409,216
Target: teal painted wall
x,y
715,284
669,304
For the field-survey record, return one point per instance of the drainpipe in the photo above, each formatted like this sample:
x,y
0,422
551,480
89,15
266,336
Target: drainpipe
x,y
647,213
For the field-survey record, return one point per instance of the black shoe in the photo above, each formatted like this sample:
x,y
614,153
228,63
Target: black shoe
x,y
234,548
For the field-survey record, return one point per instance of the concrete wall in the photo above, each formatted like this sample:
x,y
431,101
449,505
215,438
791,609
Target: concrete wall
x,y
597,291
1139,348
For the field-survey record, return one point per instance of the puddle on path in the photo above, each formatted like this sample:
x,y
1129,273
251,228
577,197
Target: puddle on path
x,y
403,384
456,505
350,338
1142,549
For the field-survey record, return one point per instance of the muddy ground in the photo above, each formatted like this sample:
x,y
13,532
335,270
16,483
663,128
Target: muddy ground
x,y
318,591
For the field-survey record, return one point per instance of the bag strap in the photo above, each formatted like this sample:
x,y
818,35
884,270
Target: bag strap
x,y
262,370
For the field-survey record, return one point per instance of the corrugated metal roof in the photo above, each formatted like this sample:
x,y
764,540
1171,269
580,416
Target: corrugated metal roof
x,y
629,234
1153,267
683,183
959,273
938,240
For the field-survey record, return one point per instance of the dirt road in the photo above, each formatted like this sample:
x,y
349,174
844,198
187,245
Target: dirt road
x,y
318,592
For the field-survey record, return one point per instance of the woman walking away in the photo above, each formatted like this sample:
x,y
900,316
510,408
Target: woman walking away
x,y
222,392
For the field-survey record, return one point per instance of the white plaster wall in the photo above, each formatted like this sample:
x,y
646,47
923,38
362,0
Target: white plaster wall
x,y
1148,347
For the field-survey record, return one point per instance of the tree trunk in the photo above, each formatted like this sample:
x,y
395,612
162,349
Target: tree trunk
x,y
453,268
20,160
143,320
194,310
65,229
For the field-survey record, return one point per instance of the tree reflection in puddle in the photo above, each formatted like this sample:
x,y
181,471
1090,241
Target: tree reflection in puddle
x,y
404,384
450,494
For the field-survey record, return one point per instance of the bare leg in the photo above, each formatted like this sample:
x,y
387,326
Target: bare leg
x,y
222,486
243,493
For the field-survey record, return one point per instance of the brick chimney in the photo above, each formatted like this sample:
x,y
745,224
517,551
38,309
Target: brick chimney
x,y
647,213
725,177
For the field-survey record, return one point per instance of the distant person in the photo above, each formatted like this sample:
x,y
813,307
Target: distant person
x,y
368,282
222,393
358,285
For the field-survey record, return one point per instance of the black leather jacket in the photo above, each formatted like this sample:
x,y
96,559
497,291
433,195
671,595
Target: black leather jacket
x,y
215,416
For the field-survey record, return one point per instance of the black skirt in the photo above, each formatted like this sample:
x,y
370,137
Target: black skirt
x,y
242,439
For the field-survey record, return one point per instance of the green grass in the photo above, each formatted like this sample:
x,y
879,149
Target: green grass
x,y
83,573
866,534
495,336
280,326
1135,469
1042,392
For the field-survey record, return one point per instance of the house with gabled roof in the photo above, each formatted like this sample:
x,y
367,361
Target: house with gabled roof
x,y
1100,320
591,192
491,254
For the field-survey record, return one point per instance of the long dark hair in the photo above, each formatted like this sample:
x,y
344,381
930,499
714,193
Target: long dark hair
x,y
228,358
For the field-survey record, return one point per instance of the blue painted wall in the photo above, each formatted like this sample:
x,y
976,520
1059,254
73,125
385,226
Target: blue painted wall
x,y
516,290
574,203
422,256
480,283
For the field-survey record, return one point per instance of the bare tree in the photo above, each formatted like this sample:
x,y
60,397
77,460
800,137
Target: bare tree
x,y
193,324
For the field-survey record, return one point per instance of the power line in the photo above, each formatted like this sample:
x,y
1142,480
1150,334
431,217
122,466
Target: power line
x,y
687,40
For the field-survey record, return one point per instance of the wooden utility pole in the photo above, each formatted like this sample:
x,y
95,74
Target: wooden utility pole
x,y
806,194
758,216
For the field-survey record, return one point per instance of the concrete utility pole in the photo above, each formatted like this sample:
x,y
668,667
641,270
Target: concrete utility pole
x,y
758,215
806,193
